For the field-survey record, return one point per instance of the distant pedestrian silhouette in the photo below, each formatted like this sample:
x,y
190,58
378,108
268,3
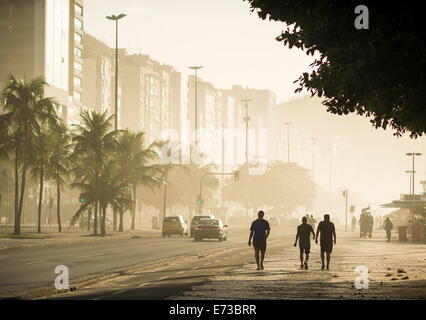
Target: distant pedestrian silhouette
x,y
388,226
259,232
303,235
328,237
353,224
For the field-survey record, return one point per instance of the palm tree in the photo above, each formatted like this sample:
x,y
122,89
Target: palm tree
x,y
59,163
27,110
39,165
138,163
93,143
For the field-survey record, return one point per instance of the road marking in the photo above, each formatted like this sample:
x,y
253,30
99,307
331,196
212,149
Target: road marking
x,y
180,272
34,262
118,292
89,256
144,284
162,278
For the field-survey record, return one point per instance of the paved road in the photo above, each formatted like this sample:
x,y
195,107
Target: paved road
x,y
30,268
167,279
394,271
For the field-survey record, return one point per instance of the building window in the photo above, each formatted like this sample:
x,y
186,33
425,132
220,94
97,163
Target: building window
x,y
78,23
77,96
78,9
78,52
78,66
78,38
77,82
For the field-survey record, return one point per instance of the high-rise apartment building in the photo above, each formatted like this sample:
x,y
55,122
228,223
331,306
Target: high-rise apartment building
x,y
150,96
45,38
99,77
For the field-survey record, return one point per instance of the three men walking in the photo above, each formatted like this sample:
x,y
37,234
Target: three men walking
x,y
260,230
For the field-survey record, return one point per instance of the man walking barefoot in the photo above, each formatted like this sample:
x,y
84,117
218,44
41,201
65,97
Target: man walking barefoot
x,y
259,231
328,237
303,235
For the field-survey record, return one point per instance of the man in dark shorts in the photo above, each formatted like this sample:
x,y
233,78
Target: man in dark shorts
x,y
328,237
303,235
259,231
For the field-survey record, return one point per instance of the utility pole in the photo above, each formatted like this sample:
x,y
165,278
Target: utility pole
x,y
313,157
196,68
247,120
164,196
330,171
288,124
413,154
345,194
313,171
411,178
223,163
116,18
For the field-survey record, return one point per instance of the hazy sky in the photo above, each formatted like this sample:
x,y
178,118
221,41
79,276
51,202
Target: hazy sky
x,y
234,45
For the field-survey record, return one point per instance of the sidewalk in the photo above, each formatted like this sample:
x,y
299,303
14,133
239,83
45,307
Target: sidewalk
x,y
396,271
67,237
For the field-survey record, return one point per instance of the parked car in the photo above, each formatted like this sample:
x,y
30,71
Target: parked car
x,y
197,218
210,229
174,225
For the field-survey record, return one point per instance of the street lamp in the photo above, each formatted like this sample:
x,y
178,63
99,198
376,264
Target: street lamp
x,y
410,172
196,68
288,124
345,194
413,154
247,120
116,18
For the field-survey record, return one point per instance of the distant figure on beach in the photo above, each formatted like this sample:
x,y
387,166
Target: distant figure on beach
x,y
388,226
259,232
353,224
303,235
327,233
312,221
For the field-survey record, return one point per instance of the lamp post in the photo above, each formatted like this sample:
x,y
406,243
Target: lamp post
x,y
247,120
410,172
196,68
345,194
413,154
116,18
288,124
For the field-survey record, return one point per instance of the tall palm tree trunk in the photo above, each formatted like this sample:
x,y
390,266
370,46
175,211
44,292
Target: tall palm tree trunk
x,y
103,218
120,227
58,206
133,207
114,220
89,218
17,226
95,221
21,201
40,199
